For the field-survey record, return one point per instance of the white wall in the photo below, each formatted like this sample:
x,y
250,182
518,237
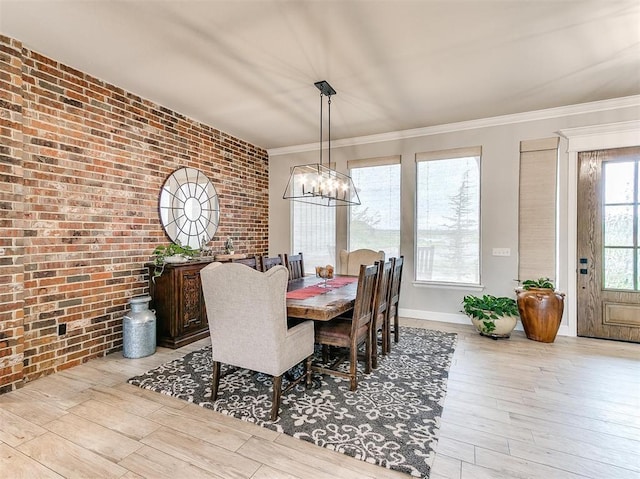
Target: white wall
x,y
500,140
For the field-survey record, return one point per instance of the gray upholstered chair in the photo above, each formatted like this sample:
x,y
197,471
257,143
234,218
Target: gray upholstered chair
x,y
247,315
350,261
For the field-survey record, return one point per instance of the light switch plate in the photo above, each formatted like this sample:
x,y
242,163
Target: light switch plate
x,y
501,251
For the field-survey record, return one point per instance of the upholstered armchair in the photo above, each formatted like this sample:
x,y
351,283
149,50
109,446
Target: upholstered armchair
x,y
247,316
350,261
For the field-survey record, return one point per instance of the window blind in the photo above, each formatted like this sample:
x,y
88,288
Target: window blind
x,y
451,154
375,224
448,216
537,208
367,162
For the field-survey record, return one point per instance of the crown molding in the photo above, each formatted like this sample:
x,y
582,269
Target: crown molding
x,y
598,137
537,115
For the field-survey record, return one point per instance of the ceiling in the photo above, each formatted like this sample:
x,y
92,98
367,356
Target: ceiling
x,y
248,67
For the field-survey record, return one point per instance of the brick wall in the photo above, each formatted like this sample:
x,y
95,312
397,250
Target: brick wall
x,y
11,204
86,166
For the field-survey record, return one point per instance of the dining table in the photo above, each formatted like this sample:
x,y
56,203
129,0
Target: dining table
x,y
311,297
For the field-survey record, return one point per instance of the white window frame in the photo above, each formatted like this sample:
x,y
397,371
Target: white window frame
x,y
368,163
309,262
449,154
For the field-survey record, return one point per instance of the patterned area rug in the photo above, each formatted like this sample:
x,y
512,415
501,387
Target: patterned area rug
x,y
391,419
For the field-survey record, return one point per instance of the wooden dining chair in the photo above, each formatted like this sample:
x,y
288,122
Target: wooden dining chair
x,y
268,263
295,265
380,324
350,333
251,262
394,298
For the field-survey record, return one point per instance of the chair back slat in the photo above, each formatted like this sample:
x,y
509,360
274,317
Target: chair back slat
x,y
363,308
251,262
380,309
394,298
268,263
295,265
396,280
381,298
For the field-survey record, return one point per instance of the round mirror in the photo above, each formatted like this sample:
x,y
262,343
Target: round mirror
x,y
189,208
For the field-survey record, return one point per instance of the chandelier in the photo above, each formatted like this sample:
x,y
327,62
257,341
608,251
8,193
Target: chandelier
x,y
319,184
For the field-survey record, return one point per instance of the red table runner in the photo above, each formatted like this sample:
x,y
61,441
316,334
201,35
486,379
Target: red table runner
x,y
316,289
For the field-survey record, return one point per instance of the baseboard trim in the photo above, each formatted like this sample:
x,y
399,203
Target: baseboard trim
x,y
459,319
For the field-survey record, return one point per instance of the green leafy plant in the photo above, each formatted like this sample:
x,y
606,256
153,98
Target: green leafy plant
x,y
163,251
488,308
543,283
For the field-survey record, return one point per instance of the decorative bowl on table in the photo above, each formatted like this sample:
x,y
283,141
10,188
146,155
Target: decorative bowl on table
x,y
324,272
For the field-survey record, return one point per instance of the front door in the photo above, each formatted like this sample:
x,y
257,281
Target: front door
x,y
608,244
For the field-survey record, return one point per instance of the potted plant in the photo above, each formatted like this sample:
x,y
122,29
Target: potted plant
x,y
492,316
541,308
172,253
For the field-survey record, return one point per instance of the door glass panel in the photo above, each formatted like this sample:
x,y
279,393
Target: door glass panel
x,y
618,226
618,268
618,182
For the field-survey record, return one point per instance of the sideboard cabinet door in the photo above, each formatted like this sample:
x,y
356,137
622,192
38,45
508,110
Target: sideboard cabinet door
x,y
179,304
191,312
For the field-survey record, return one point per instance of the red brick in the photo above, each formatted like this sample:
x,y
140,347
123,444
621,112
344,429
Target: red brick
x,y
86,163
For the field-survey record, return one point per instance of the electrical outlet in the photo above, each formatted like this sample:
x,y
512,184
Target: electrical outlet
x,y
501,251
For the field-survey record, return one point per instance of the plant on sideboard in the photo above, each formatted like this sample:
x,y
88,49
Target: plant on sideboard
x,y
492,316
171,253
541,308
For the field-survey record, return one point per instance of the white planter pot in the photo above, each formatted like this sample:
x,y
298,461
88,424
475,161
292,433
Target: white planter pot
x,y
504,326
176,258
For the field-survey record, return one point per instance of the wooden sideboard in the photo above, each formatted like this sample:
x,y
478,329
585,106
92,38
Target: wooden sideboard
x,y
177,298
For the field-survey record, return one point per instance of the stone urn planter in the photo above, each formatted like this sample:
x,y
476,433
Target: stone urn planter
x,y
493,317
541,308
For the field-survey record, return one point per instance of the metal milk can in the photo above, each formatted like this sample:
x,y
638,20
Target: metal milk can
x,y
139,329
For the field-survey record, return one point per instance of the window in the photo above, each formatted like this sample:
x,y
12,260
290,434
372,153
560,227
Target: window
x,y
620,224
375,223
314,233
448,216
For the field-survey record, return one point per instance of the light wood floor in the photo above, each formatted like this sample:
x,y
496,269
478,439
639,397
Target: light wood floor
x,y
514,409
